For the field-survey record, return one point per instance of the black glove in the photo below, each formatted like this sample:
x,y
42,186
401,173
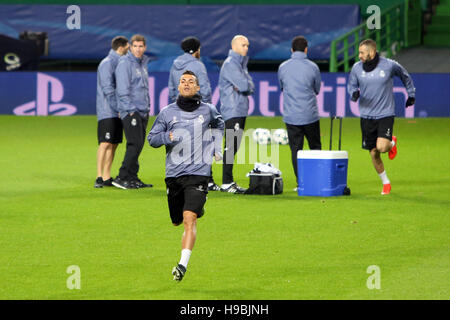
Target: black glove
x,y
355,96
410,102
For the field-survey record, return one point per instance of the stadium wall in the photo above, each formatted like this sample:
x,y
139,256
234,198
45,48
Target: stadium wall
x,y
74,93
383,4
270,29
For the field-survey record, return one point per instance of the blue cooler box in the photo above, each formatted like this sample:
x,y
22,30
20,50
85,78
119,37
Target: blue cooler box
x,y
322,173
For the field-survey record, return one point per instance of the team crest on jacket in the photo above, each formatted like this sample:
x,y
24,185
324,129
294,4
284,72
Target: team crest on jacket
x,y
201,119
382,74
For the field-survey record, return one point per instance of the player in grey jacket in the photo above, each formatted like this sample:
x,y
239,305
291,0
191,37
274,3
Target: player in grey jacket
x,y
109,129
300,82
132,85
134,106
190,60
371,80
235,85
191,131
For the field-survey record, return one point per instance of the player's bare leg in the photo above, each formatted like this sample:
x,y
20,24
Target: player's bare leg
x,y
386,145
101,156
108,160
187,244
379,167
383,145
190,230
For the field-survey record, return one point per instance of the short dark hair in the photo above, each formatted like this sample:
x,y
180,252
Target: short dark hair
x,y
119,41
299,43
369,43
138,38
192,74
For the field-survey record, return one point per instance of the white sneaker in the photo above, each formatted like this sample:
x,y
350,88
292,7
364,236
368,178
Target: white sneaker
x,y
213,187
232,188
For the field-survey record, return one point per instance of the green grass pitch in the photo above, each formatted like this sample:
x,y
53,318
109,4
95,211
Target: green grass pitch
x,y
248,247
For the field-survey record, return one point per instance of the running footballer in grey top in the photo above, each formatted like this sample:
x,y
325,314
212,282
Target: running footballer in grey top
x,y
191,131
371,81
190,60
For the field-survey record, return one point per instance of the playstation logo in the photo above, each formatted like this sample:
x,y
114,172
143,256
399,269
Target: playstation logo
x,y
49,94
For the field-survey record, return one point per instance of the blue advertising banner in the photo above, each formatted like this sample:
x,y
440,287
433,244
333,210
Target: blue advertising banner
x,y
85,31
70,93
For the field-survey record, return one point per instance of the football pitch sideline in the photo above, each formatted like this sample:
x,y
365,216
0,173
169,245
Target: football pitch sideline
x,y
123,245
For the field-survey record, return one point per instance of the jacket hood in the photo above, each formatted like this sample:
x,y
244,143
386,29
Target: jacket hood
x,y
113,54
181,62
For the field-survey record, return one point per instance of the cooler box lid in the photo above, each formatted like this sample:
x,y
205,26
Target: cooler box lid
x,y
321,154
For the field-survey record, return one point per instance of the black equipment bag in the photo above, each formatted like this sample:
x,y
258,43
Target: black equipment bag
x,y
265,183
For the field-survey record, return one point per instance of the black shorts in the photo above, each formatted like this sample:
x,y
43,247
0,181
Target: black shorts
x,y
372,129
186,193
110,130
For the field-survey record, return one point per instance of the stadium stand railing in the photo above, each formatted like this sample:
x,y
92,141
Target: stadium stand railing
x,y
400,27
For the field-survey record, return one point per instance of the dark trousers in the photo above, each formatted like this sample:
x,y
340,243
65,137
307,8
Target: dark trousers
x,y
232,143
296,136
135,127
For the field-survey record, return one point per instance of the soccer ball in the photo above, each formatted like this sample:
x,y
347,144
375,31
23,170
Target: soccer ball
x,y
261,136
280,136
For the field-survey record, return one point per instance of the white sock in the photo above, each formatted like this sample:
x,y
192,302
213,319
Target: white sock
x,y
185,255
384,178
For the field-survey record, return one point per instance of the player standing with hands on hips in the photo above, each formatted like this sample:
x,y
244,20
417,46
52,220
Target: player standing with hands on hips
x,y
371,80
192,133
